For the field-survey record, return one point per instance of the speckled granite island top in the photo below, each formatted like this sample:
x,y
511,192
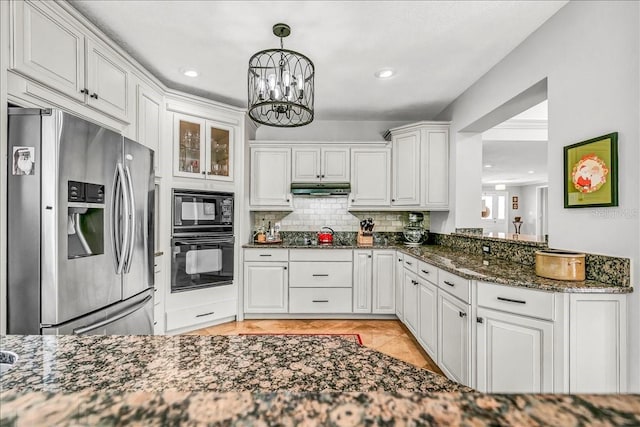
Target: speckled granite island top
x,y
259,380
477,267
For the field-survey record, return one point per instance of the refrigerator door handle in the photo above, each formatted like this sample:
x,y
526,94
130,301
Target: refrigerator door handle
x,y
116,223
127,224
132,219
118,316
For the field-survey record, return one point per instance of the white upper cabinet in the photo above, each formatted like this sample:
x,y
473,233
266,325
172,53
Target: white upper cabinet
x,y
370,177
421,165
52,50
406,169
328,164
434,152
149,121
203,148
270,177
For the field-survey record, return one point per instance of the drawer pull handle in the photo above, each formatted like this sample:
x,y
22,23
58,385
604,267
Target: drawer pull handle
x,y
320,300
425,271
408,263
205,314
517,301
449,283
265,254
462,314
320,275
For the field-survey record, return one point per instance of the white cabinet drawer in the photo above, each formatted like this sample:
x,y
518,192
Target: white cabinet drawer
x,y
319,300
320,255
525,302
455,285
193,316
266,255
411,263
320,274
428,272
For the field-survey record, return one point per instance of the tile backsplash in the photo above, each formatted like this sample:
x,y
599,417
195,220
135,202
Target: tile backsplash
x,y
311,214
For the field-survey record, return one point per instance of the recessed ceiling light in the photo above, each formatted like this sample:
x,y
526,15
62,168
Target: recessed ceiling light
x,y
500,187
385,73
190,73
531,172
488,166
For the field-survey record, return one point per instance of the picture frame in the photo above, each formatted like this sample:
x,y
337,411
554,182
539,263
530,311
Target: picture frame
x,y
514,199
514,206
591,172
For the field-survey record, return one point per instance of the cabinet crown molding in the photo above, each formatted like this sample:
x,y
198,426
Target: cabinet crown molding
x,y
414,126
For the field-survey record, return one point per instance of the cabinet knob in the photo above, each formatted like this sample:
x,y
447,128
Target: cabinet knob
x,y
322,176
479,320
284,268
317,176
462,314
94,95
368,256
353,200
287,200
203,173
393,200
85,91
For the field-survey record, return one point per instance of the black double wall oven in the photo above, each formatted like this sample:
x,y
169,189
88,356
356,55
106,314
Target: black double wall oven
x,y
202,240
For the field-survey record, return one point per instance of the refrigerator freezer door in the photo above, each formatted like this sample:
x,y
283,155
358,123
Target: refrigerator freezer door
x,y
75,280
131,317
138,271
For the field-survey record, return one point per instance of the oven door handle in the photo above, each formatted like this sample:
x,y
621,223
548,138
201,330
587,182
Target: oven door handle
x,y
204,241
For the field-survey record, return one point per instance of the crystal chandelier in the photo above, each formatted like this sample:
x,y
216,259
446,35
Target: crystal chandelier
x,y
281,85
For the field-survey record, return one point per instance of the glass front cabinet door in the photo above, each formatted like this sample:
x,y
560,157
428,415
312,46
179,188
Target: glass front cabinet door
x,y
203,149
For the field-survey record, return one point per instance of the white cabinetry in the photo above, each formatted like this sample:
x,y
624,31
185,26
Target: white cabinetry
x,y
399,286
362,280
434,161
329,164
420,171
384,293
203,148
370,177
271,177
514,353
406,169
373,281
454,338
411,303
454,327
266,281
428,308
158,297
50,48
149,121
597,339
320,281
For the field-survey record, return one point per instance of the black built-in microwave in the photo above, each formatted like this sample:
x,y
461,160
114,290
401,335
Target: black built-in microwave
x,y
202,212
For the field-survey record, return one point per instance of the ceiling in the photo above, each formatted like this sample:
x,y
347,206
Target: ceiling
x,y
515,151
438,48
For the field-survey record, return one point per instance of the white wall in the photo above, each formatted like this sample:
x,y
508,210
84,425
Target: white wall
x,y
329,130
589,53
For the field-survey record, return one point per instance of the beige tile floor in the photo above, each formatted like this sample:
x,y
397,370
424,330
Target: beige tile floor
x,y
386,336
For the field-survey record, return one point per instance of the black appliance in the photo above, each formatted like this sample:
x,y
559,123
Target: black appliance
x,y
202,240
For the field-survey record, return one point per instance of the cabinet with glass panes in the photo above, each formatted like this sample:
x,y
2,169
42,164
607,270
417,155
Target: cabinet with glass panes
x,y
204,148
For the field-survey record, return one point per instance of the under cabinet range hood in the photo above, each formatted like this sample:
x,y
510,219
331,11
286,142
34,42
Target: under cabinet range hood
x,y
320,189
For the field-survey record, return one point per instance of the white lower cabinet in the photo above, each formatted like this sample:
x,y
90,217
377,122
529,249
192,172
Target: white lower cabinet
x,y
319,300
454,338
597,339
266,287
514,353
410,301
384,293
399,286
362,280
428,318
199,314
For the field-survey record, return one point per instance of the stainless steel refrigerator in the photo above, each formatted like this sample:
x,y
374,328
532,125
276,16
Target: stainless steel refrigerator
x,y
80,227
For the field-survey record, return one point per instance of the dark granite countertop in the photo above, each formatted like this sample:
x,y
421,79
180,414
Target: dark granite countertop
x,y
259,380
478,267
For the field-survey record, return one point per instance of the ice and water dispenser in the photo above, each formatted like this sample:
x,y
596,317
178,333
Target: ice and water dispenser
x,y
85,221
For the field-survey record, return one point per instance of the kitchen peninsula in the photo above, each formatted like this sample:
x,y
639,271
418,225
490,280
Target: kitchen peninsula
x,y
195,380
